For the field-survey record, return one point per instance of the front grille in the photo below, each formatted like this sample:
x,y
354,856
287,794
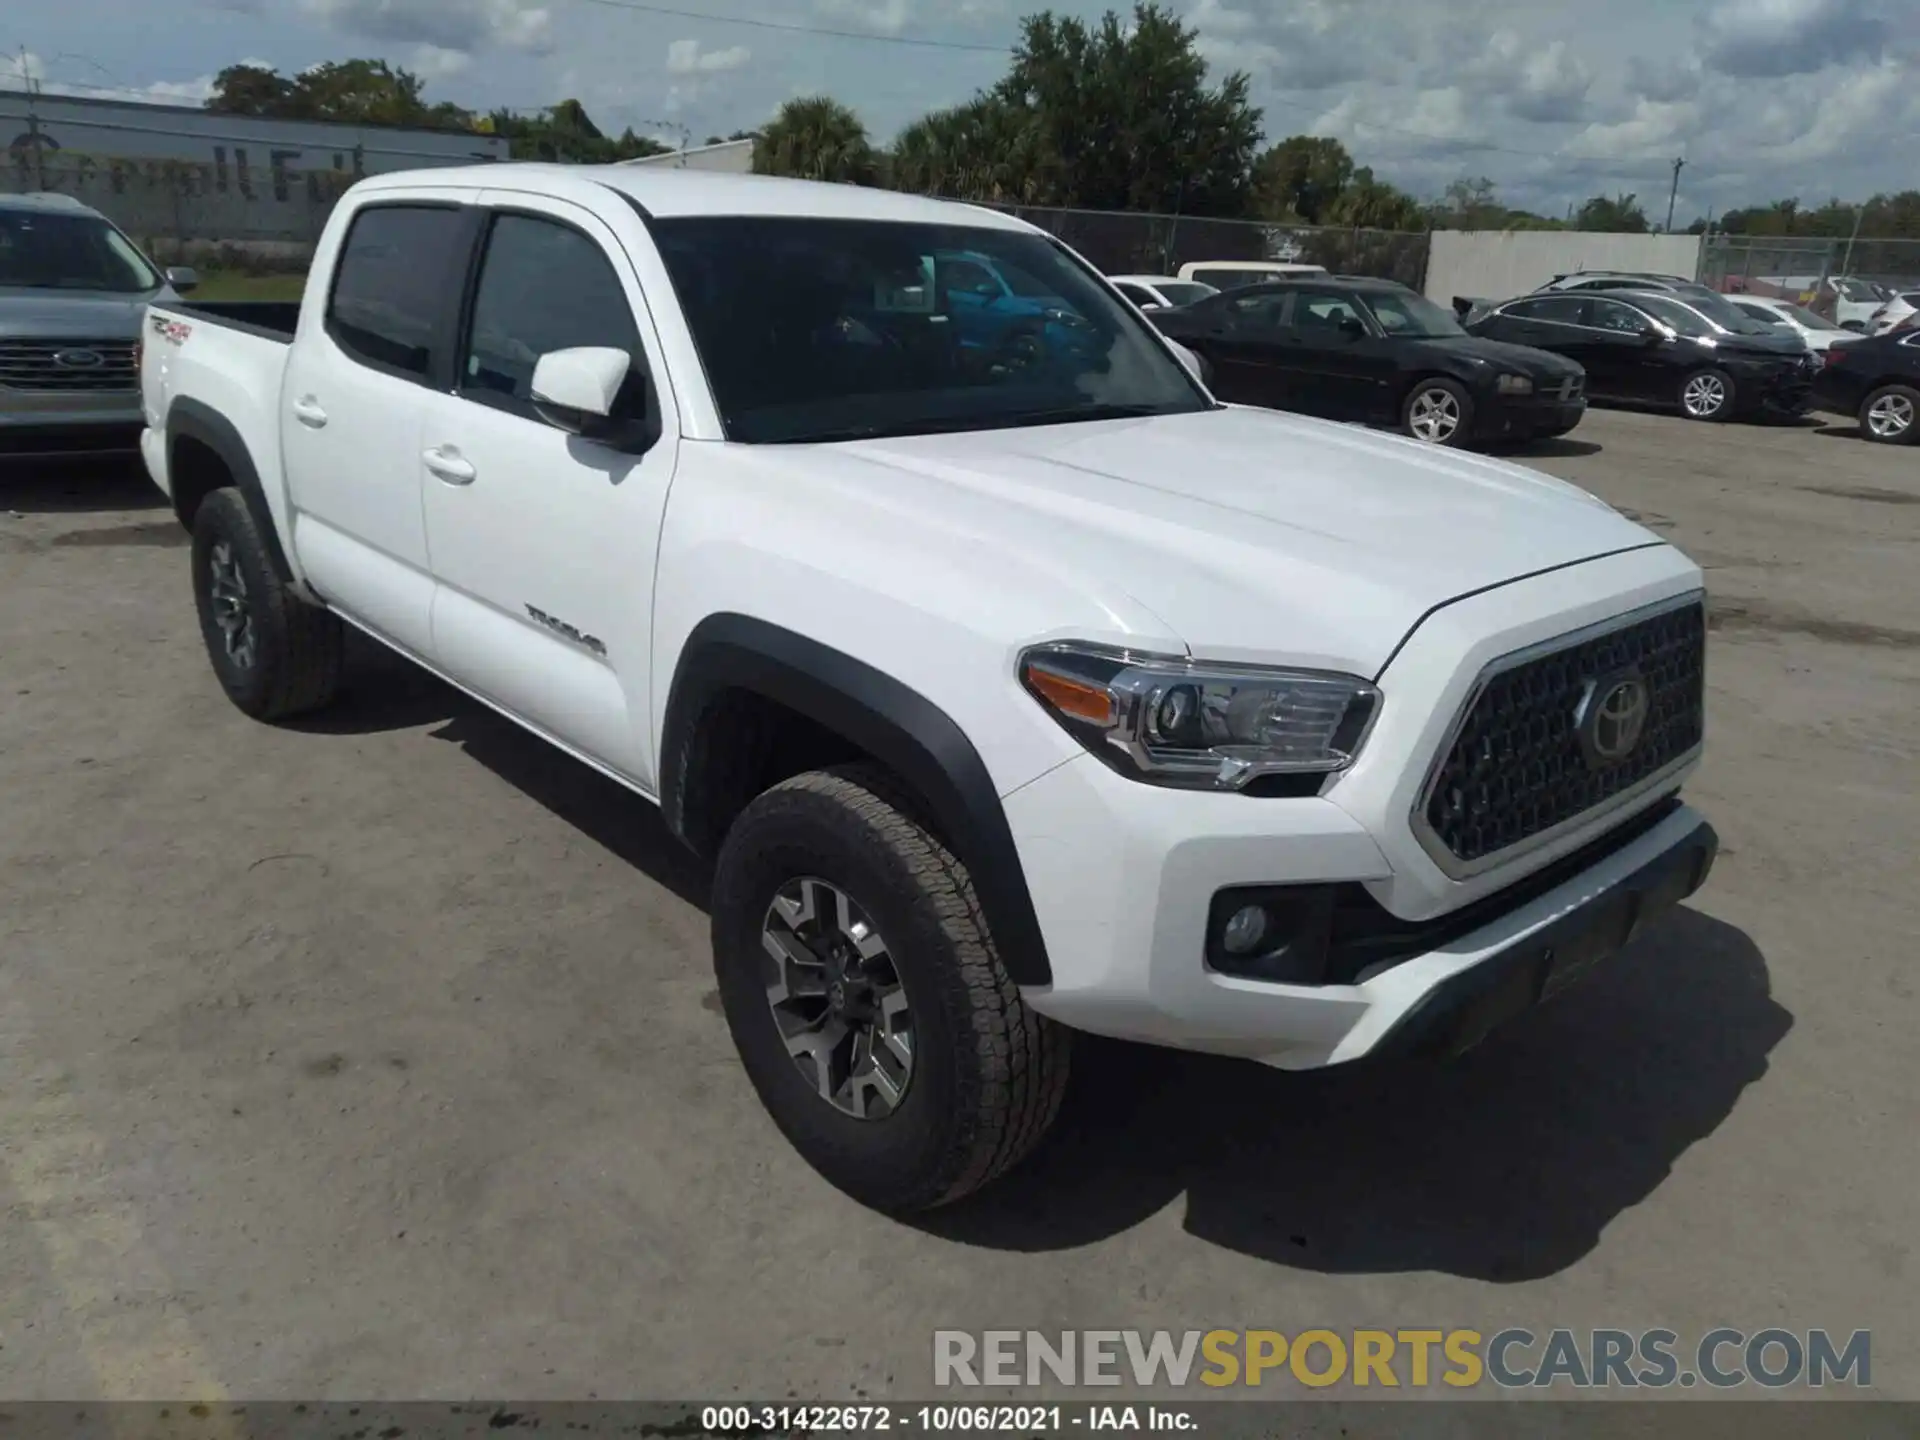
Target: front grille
x,y
1518,765
1572,386
62,366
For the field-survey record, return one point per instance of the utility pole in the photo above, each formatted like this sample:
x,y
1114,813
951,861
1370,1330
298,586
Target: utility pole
x,y
1859,214
33,123
1674,193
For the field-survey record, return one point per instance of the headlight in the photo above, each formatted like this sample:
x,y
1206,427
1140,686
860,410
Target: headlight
x,y
1206,727
1514,385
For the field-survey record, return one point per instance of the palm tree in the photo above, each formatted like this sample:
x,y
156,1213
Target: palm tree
x,y
816,138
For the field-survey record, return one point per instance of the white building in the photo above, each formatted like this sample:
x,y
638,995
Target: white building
x,y
732,157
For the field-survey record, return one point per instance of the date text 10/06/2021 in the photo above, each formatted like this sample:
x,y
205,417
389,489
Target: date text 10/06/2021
x,y
998,1419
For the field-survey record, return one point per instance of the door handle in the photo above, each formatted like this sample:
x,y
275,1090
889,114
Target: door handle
x,y
447,464
308,412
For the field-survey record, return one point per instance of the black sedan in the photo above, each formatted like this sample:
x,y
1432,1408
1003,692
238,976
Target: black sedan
x,y
1664,349
1877,380
1374,351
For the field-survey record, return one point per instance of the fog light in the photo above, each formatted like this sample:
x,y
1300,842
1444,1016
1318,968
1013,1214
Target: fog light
x,y
1244,930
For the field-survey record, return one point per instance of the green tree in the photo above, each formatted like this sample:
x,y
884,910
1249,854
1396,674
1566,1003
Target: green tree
x,y
816,138
566,133
1620,214
1370,204
983,150
1300,178
360,92
1475,204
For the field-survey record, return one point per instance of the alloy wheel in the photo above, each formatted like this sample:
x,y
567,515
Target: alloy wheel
x,y
1890,416
1703,396
1434,416
227,589
837,999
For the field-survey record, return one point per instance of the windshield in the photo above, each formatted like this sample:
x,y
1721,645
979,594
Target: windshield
x,y
1184,292
818,330
1859,290
50,251
1411,316
1723,312
1807,320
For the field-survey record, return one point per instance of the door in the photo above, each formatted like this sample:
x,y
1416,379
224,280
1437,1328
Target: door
x,y
351,409
1630,354
1334,362
544,542
1241,334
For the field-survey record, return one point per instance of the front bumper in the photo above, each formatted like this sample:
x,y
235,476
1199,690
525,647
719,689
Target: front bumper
x,y
40,426
1510,415
1127,878
1775,390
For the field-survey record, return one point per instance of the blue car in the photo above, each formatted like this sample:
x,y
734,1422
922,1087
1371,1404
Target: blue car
x,y
1007,313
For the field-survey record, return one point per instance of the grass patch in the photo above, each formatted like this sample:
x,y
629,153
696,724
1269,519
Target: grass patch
x,y
235,285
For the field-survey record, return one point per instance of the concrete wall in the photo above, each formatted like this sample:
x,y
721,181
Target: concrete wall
x,y
171,173
732,157
1497,264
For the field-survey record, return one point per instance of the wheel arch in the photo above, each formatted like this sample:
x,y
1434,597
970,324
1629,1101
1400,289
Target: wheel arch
x,y
205,452
787,675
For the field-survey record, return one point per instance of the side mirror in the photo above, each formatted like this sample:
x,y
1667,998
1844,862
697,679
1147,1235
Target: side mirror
x,y
182,278
580,390
1350,328
1653,337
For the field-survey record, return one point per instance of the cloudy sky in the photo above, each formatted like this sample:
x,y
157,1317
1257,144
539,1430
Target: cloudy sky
x,y
1552,99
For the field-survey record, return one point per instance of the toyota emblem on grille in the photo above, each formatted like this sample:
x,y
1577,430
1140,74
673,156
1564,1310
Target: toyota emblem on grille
x,y
1612,717
79,359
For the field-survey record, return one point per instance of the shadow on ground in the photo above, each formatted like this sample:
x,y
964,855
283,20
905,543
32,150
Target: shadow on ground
x,y
1562,447
1504,1165
61,487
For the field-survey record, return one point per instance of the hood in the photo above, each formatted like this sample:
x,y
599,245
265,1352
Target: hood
x,y
1250,534
1788,344
1520,359
40,314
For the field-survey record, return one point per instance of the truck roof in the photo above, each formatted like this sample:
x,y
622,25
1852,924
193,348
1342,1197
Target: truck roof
x,y
667,193
46,200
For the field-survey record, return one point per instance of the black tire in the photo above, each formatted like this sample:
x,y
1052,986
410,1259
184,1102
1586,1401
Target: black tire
x,y
988,1073
1891,415
1709,383
293,662
1427,406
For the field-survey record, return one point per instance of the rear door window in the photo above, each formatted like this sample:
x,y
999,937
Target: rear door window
x,y
390,283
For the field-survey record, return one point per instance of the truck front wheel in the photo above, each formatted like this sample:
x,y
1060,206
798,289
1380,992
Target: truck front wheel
x,y
867,1000
276,655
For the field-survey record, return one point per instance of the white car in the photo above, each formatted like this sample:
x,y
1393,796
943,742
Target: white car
x,y
1896,314
1160,292
1817,331
1012,695
1232,274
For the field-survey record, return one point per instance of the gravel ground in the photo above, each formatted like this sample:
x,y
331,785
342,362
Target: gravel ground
x,y
379,1057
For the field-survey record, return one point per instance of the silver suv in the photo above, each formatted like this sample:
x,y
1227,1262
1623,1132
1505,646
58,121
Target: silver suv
x,y
73,291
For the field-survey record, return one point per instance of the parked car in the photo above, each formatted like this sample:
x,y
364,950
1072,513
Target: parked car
x,y
1375,351
1850,300
1621,280
1901,312
1816,332
1658,348
1008,703
1232,274
73,290
1002,312
1878,380
1160,292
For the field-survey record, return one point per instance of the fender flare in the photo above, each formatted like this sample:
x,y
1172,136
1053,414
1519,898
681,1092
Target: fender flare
x,y
895,724
196,420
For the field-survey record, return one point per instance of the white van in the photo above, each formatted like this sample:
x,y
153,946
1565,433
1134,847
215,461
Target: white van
x,y
1232,274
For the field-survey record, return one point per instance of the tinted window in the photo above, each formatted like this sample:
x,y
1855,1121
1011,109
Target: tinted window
x,y
813,330
1185,292
1612,315
1685,319
1412,317
1229,279
1137,294
1759,312
1319,312
966,277
388,284
1262,310
543,287
1558,309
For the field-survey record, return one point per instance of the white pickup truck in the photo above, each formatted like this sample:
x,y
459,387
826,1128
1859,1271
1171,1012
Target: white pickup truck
x,y
1015,686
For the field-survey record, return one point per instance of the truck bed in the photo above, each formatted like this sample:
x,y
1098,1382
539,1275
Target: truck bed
x,y
269,319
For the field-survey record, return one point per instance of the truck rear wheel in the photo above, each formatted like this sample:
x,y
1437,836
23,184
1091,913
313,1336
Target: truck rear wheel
x,y
867,1000
276,655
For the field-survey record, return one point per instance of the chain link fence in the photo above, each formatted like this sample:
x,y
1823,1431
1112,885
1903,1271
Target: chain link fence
x,y
1824,273
1121,243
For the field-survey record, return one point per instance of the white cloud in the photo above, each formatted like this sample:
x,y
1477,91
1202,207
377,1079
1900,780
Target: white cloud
x,y
1770,38
685,57
457,25
28,66
431,62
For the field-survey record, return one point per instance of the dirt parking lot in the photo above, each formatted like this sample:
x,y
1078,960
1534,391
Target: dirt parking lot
x,y
380,1057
